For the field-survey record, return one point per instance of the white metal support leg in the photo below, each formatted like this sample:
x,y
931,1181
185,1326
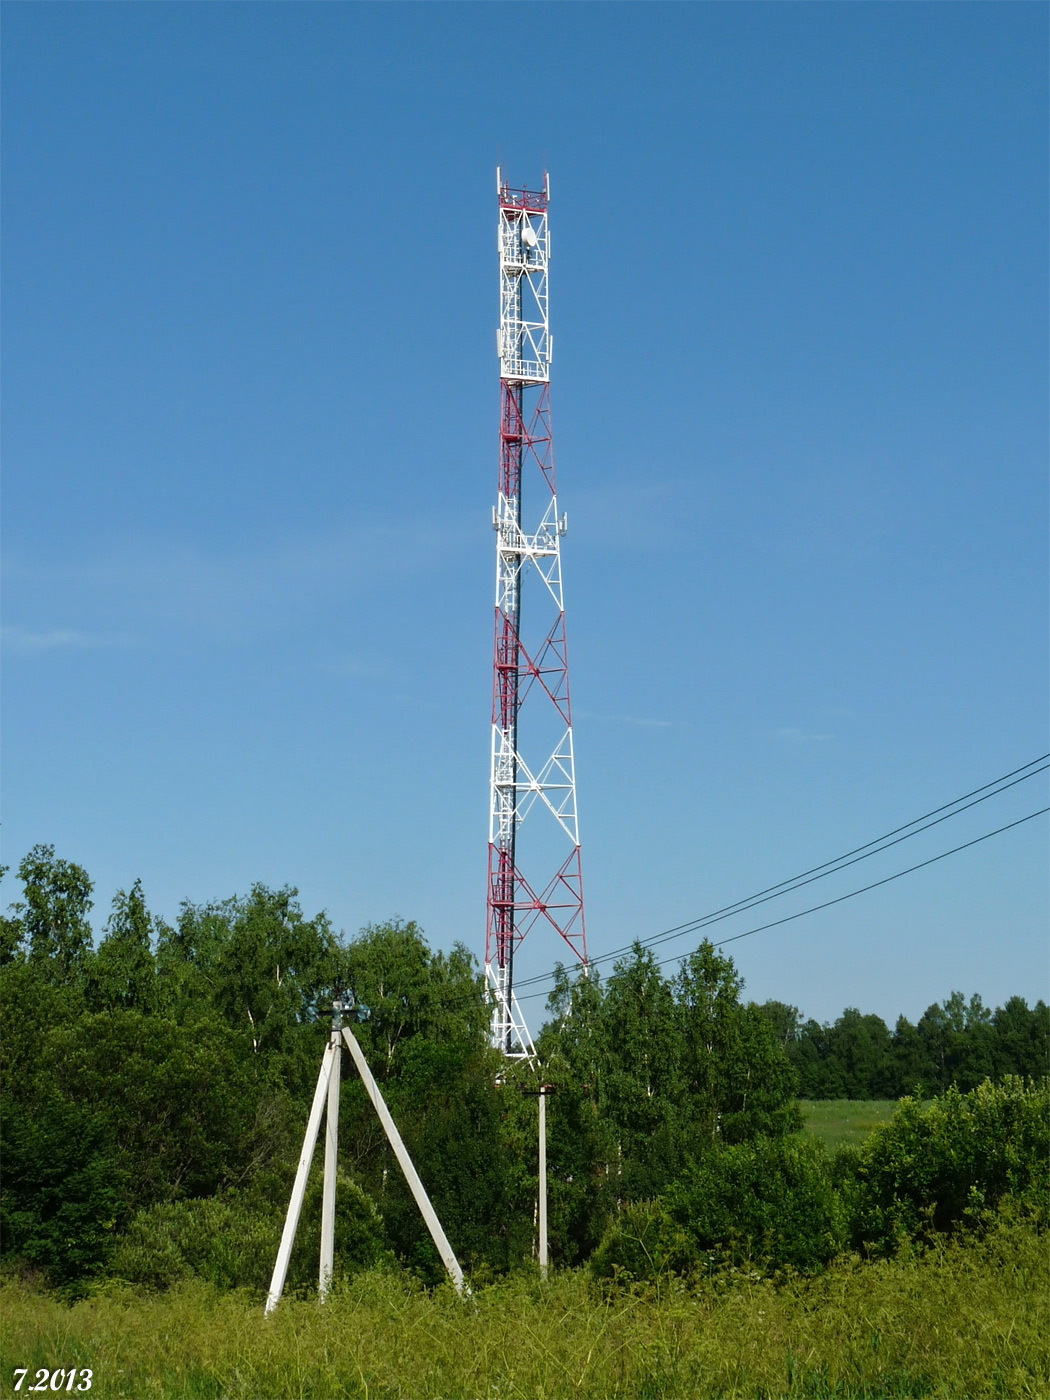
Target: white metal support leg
x,y
295,1205
331,1153
433,1224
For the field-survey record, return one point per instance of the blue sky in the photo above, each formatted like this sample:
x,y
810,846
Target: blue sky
x,y
798,291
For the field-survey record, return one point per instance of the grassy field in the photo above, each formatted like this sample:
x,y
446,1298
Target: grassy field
x,y
966,1320
838,1121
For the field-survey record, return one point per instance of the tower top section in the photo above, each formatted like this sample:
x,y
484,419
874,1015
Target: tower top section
x,y
535,201
524,341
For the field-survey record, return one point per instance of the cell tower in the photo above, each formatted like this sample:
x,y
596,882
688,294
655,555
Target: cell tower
x,y
538,881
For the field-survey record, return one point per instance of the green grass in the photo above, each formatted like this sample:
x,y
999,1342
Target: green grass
x,y
838,1121
965,1320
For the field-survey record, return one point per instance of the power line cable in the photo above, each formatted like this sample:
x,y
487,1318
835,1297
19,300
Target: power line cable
x,y
830,867
788,918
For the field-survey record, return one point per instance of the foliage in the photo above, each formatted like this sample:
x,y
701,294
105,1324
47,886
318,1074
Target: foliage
x,y
776,1203
426,1042
263,968
413,993
31,1005
182,1121
231,1241
63,1188
962,1042
669,1066
770,1202
580,1193
449,1108
122,976
155,1088
739,1080
642,1243
54,913
938,1167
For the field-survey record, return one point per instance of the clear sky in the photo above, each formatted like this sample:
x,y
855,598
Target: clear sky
x,y
798,291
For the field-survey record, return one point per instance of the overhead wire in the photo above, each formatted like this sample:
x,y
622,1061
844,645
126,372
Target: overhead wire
x,y
831,867
788,918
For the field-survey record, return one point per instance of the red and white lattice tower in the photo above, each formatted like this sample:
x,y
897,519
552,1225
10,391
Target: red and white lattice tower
x,y
535,879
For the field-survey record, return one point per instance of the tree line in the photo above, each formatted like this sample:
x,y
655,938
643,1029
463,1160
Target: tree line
x,y
961,1042
155,1084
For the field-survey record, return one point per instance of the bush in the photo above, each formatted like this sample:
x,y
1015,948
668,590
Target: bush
x,y
232,1242
771,1201
218,1239
937,1168
642,1243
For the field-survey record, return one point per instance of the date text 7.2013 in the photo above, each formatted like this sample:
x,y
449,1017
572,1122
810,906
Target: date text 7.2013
x,y
62,1379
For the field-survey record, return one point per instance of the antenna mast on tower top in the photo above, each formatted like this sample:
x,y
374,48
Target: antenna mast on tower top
x,y
537,670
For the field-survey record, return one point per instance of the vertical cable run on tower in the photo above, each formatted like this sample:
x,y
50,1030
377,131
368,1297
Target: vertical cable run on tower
x,y
533,668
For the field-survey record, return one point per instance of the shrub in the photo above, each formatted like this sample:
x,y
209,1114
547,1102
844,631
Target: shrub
x,y
218,1239
232,1243
770,1201
934,1169
642,1243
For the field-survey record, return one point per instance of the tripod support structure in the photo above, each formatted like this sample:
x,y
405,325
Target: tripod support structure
x,y
328,1087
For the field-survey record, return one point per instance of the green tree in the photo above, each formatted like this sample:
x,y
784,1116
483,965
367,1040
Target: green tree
x,y
276,969
913,1069
862,1048
426,1043
450,1111
739,1082
12,933
786,1021
572,1042
974,1051
578,1183
63,1187
31,1006
821,1076
1022,1038
642,1083
964,1042
583,1155
413,992
54,913
179,1103
672,1065
123,975
267,970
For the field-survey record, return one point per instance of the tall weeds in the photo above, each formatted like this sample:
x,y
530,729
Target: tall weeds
x,y
963,1319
